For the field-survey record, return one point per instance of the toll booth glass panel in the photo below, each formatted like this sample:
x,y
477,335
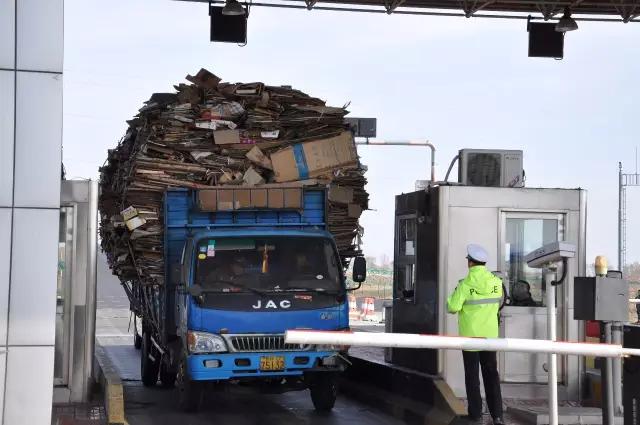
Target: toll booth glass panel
x,y
63,297
524,235
405,262
526,314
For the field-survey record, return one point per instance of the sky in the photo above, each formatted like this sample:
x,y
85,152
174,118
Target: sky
x,y
459,83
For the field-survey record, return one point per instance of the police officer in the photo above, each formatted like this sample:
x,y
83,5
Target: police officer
x,y
476,300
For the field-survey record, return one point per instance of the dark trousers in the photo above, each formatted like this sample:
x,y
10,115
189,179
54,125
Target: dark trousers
x,y
487,360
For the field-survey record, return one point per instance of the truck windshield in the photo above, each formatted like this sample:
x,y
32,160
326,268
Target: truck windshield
x,y
267,264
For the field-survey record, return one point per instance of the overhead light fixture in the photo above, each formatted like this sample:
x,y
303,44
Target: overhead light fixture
x,y
566,23
233,8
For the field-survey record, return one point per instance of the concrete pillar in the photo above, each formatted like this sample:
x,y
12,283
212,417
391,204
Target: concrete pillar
x,y
31,54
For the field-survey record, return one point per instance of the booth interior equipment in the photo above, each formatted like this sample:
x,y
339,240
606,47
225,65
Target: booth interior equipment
x,y
433,227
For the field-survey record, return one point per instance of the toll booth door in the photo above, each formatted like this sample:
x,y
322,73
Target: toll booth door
x,y
526,314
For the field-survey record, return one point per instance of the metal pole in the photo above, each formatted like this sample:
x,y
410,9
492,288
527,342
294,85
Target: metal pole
x,y
607,382
551,336
427,144
620,189
616,376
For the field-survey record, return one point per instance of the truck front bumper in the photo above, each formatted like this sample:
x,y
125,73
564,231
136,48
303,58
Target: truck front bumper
x,y
216,367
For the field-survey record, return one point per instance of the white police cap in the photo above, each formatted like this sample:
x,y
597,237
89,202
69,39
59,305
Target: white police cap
x,y
477,253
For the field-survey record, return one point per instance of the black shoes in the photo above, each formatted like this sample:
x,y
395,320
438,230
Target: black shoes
x,y
498,421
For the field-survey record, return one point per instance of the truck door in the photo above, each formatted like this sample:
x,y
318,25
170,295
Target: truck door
x,y
525,316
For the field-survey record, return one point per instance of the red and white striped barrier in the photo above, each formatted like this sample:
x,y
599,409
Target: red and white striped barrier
x,y
521,345
354,314
368,308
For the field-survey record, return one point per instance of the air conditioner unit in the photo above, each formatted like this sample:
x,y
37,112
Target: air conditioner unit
x,y
493,168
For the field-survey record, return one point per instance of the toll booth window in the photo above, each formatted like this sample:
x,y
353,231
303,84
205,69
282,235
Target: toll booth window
x,y
407,236
523,235
405,275
406,280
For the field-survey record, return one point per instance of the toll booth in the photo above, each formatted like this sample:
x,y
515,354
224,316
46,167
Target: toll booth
x,y
76,292
433,227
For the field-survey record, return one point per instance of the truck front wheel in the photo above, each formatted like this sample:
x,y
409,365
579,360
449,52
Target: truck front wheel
x,y
323,390
189,391
167,376
148,366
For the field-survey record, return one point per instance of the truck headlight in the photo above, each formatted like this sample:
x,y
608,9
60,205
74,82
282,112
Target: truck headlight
x,y
203,342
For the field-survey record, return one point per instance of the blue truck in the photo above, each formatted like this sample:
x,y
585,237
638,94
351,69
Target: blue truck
x,y
234,282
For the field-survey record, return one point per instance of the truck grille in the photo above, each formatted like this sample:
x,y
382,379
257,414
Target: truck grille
x,y
246,343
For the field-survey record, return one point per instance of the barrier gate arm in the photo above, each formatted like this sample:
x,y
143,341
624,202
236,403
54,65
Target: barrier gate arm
x,y
398,340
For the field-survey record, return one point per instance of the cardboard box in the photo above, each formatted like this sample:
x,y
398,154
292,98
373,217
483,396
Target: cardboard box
x,y
354,211
293,198
340,195
242,198
311,159
276,198
230,199
226,137
208,200
225,200
259,198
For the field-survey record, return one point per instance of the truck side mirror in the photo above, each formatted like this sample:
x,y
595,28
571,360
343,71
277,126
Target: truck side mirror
x,y
359,269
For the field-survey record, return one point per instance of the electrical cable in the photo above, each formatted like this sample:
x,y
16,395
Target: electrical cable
x,y
564,274
453,161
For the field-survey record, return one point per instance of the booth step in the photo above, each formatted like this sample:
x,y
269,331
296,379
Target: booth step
x,y
568,415
109,379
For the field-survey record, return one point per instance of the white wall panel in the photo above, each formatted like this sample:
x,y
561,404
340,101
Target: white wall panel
x,y
33,277
40,40
3,366
7,33
7,90
29,388
38,146
5,255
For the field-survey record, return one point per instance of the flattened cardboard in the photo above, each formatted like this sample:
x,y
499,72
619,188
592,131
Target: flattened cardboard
x,y
135,222
226,137
293,198
208,200
320,156
242,198
354,211
225,200
252,177
340,195
129,213
276,198
259,198
256,156
284,166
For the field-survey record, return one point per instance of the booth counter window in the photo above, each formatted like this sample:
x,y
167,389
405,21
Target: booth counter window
x,y
523,234
405,267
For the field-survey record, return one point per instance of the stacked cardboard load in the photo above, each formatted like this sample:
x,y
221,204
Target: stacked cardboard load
x,y
262,140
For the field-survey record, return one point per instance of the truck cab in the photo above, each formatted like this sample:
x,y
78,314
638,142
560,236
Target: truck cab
x,y
237,281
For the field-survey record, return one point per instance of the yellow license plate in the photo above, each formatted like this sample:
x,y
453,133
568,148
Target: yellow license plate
x,y
272,363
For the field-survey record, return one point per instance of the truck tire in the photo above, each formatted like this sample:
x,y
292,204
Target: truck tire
x,y
148,367
323,390
167,376
189,391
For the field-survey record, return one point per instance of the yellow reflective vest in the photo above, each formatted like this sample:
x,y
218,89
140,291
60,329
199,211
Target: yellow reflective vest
x,y
477,299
